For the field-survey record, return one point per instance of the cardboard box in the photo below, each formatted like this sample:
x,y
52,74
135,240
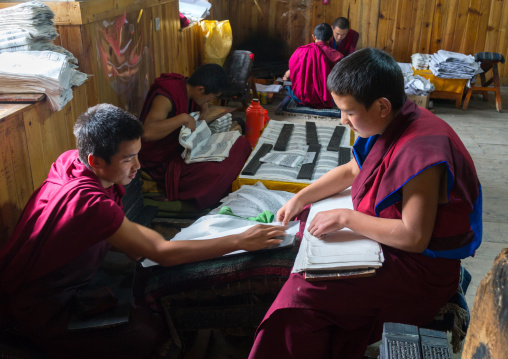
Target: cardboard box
x,y
422,101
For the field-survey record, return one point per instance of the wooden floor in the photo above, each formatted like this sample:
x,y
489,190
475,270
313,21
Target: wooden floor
x,y
484,132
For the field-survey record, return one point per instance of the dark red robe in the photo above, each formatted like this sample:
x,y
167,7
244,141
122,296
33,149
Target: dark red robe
x,y
339,318
309,67
347,45
204,183
56,248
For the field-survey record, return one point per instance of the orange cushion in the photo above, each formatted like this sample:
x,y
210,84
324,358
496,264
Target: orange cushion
x,y
445,85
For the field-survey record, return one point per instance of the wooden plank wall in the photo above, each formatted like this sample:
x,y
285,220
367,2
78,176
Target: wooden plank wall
x,y
400,27
123,77
30,141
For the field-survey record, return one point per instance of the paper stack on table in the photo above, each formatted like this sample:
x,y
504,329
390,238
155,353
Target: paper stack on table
x,y
251,200
29,26
339,250
453,65
420,61
248,201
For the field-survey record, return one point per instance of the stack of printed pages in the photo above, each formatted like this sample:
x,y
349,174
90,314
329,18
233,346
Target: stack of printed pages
x,y
340,250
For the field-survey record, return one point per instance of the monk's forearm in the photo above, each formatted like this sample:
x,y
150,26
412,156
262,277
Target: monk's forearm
x,y
392,232
179,252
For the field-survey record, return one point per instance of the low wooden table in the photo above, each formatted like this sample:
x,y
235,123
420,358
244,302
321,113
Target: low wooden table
x,y
450,89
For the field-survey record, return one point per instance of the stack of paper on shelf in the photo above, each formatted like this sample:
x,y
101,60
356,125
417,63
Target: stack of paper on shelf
x,y
33,16
29,26
51,75
339,250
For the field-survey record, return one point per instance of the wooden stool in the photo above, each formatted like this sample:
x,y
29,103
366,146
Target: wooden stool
x,y
488,61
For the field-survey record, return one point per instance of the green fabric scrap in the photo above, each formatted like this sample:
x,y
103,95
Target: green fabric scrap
x,y
263,217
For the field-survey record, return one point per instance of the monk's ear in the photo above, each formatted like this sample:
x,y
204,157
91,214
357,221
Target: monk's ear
x,y
385,106
313,37
200,89
95,162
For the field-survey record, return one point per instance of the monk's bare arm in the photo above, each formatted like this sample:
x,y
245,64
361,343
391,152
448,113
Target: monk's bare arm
x,y
140,241
412,233
158,126
328,185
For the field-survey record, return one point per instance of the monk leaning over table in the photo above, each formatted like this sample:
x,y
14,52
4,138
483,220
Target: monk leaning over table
x,y
166,109
415,191
309,67
67,227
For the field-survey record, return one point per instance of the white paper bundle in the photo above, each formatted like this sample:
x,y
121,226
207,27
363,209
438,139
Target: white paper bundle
x,y
222,124
37,72
33,16
453,65
29,27
220,225
342,249
201,145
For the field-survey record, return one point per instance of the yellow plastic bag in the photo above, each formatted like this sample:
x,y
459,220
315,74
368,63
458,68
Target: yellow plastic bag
x,y
217,39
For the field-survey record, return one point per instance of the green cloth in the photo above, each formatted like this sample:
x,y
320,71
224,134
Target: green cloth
x,y
263,217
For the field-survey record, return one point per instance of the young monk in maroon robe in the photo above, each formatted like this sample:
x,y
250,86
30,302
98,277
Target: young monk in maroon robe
x,y
309,67
344,38
65,231
415,191
167,106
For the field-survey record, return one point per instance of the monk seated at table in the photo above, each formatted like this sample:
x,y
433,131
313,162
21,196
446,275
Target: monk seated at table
x,y
65,231
166,109
415,191
309,67
344,38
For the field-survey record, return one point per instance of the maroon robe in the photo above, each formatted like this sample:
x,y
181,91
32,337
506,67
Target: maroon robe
x,y
56,248
339,318
347,45
204,183
309,67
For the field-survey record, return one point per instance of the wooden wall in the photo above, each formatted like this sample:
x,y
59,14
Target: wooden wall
x,y
125,53
400,27
31,138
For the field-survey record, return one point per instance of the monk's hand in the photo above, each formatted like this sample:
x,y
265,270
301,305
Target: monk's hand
x,y
261,236
187,121
286,76
290,210
328,221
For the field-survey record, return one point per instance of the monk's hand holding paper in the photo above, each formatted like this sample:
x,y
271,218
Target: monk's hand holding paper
x,y
290,210
261,236
187,121
328,221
